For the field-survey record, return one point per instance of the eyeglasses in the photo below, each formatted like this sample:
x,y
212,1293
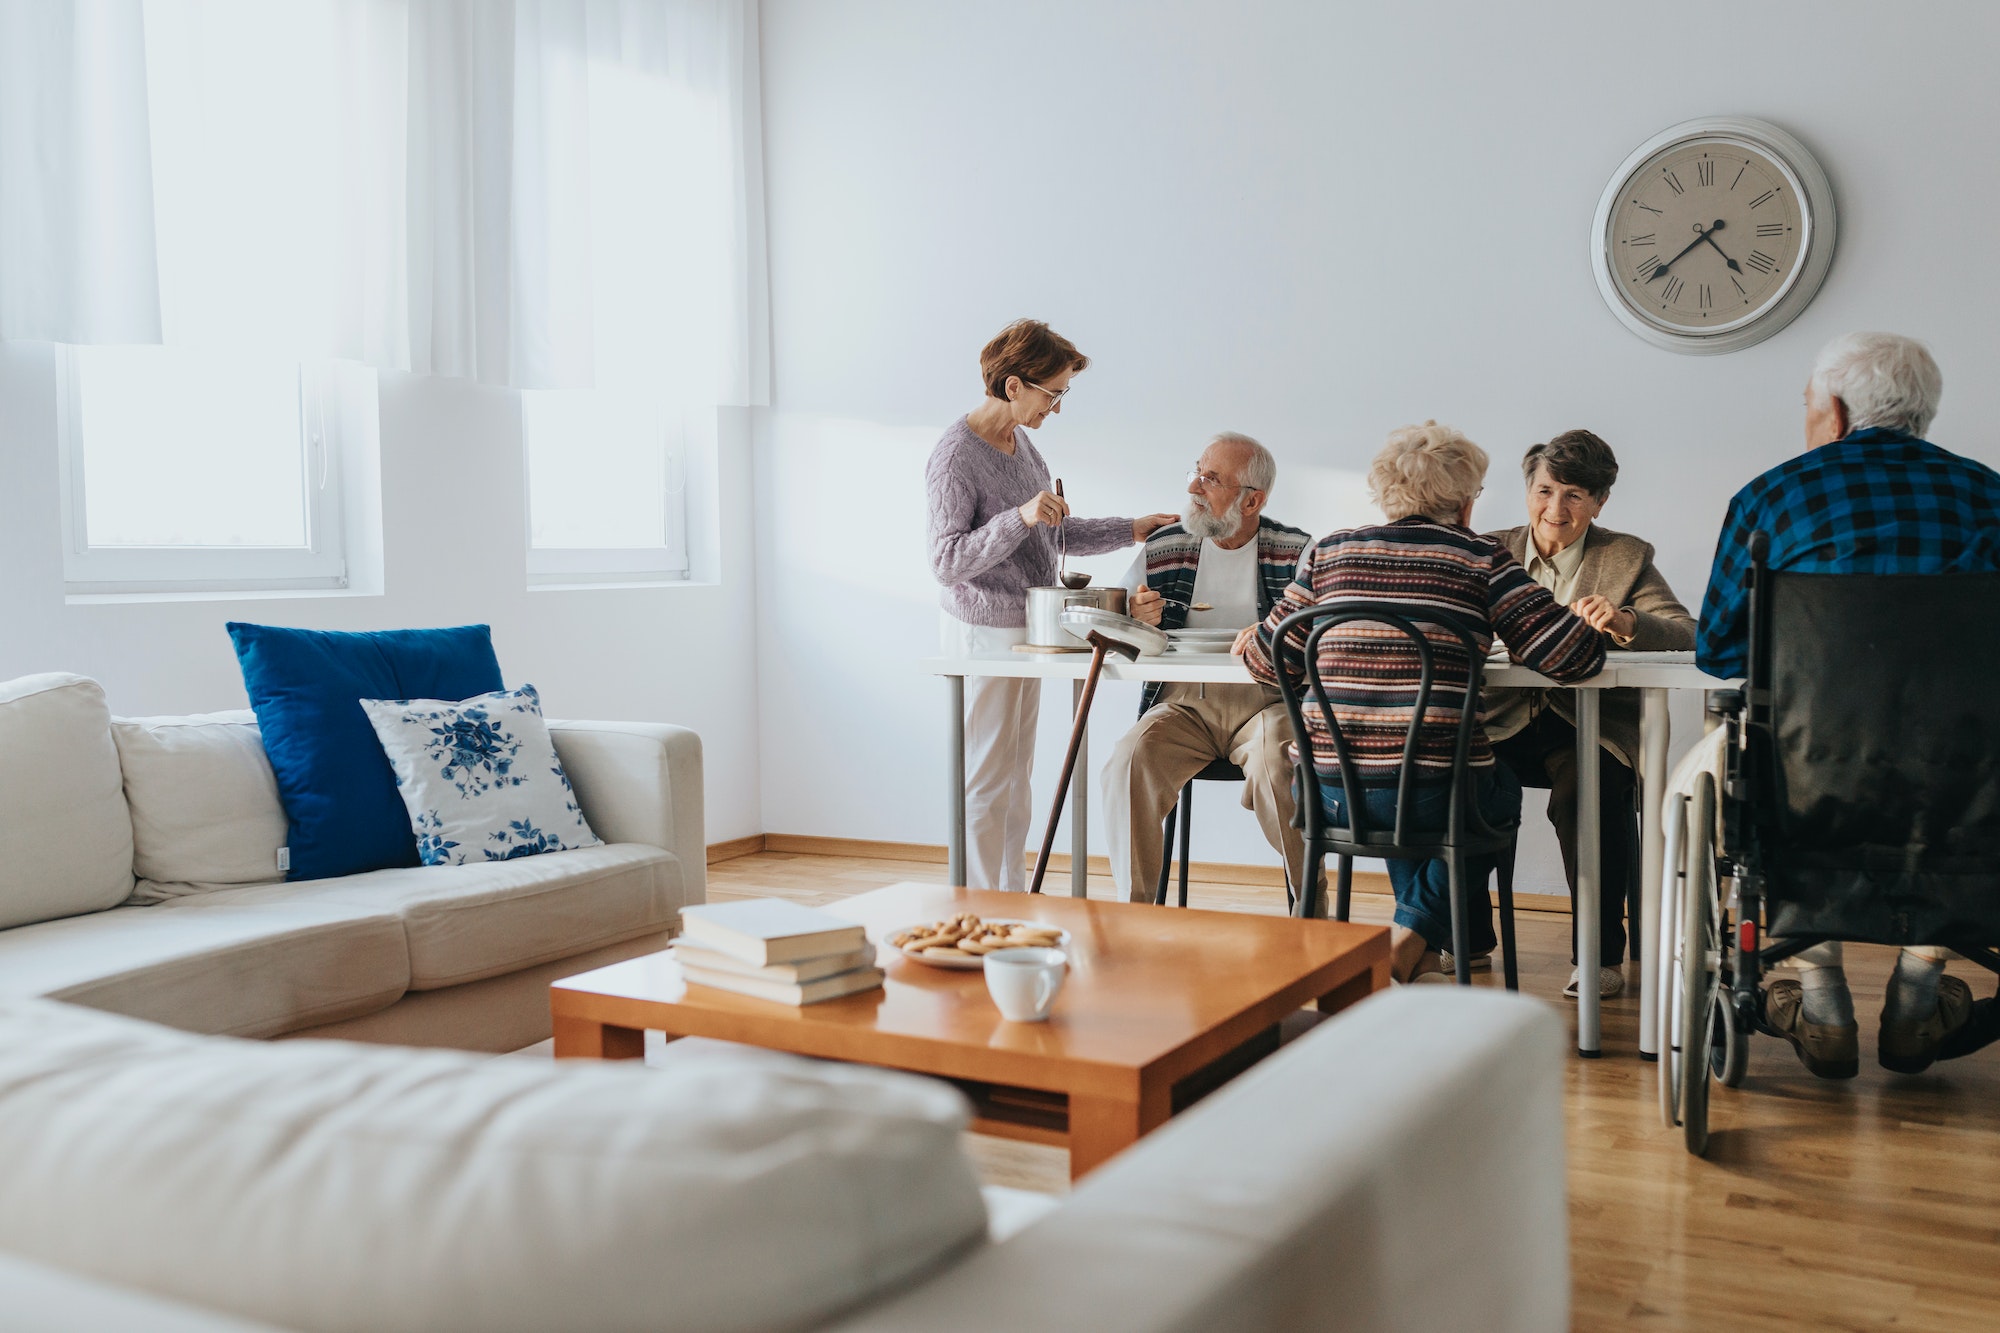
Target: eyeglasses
x,y
1210,482
1055,395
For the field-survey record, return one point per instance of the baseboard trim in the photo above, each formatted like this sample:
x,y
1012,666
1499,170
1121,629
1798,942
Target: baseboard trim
x,y
1212,872
735,847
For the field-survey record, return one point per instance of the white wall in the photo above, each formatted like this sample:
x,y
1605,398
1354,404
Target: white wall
x,y
1305,220
454,552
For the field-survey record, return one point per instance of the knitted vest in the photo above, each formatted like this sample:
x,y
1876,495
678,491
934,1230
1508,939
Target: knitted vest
x,y
1173,554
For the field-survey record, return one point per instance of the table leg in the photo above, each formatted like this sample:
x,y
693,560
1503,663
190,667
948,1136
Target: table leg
x,y
1102,1127
1589,875
1079,801
582,1039
955,782
1654,732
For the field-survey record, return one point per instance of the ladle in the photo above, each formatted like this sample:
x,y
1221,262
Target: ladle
x,y
1073,582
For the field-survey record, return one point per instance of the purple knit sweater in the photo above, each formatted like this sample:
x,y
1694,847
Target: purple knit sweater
x,y
981,551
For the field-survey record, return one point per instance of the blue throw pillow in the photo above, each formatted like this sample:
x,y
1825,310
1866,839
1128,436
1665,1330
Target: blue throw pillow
x,y
338,788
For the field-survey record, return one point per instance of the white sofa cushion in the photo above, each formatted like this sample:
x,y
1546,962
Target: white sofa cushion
x,y
40,1299
252,971
479,777
205,807
326,1185
65,834
493,917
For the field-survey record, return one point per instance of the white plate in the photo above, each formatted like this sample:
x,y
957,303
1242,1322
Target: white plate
x,y
1200,649
1178,634
967,964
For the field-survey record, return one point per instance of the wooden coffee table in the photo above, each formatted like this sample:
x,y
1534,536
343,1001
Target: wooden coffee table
x,y
1162,1005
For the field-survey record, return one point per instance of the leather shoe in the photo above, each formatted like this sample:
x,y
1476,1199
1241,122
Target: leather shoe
x,y
1830,1050
1911,1047
1979,1032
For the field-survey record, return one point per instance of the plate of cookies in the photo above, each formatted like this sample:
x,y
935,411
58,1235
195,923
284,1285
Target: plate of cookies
x,y
963,941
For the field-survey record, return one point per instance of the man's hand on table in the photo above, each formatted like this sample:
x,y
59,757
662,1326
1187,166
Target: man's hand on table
x,y
1145,606
1601,615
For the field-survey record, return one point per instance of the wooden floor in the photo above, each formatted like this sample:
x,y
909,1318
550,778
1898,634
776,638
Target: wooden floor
x,y
1868,1204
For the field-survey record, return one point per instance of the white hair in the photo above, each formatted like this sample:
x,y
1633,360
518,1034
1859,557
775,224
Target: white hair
x,y
1430,470
1261,472
1883,379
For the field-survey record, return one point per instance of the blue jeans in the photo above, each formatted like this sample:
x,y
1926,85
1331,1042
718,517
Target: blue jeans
x,y
1423,888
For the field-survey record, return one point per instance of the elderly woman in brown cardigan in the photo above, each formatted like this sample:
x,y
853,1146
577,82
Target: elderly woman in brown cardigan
x,y
1609,579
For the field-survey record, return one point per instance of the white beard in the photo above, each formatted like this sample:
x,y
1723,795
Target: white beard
x,y
1205,523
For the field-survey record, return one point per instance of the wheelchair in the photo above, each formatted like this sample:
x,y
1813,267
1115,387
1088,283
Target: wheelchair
x,y
1860,801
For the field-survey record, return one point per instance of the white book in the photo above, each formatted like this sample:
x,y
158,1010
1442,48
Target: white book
x,y
763,931
802,993
806,969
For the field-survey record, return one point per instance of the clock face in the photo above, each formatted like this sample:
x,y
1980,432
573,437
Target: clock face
x,y
1706,235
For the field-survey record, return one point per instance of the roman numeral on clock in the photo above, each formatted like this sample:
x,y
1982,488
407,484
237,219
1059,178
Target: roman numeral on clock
x,y
1770,229
1674,183
1646,268
1762,262
1704,171
1706,299
1648,207
1763,199
1647,239
1672,291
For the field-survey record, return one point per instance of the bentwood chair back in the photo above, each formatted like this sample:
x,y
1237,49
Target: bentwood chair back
x,y
1466,834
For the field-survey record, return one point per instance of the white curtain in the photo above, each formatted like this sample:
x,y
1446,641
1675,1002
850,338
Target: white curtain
x,y
542,194
76,188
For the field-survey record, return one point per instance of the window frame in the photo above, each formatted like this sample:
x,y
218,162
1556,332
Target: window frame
x,y
319,565
560,566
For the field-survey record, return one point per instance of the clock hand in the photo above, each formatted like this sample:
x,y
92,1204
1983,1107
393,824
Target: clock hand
x,y
1701,236
1709,236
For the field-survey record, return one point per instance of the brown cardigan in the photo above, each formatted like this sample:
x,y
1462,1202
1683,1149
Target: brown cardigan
x,y
1619,567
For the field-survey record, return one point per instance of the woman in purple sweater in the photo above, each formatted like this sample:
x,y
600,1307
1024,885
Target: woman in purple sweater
x,y
992,534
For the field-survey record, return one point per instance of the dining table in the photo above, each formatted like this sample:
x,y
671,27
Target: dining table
x,y
1655,675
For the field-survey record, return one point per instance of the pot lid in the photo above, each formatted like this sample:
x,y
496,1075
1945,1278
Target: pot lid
x,y
1136,634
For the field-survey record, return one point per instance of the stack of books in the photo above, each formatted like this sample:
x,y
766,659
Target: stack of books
x,y
775,950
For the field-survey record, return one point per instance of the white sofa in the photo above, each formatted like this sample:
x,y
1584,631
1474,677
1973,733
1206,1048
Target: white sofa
x,y
139,875
1399,1168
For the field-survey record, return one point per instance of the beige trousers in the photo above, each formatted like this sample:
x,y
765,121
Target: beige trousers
x,y
1189,728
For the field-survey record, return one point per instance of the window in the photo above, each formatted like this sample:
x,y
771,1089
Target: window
x,y
608,466
184,471
607,487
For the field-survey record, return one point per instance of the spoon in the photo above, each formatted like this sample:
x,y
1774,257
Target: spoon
x,y
1074,582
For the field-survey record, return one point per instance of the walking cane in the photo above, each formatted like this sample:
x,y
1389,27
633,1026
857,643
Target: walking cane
x,y
1099,646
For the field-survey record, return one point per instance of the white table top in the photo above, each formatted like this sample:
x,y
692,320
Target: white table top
x,y
1668,671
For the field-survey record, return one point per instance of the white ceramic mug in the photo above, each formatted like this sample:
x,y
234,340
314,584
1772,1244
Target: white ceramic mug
x,y
1025,982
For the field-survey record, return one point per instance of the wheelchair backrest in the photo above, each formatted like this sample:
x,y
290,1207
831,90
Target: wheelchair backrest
x,y
1884,720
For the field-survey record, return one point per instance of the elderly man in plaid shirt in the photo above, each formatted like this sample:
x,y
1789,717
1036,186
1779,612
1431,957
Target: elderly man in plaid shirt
x,y
1869,496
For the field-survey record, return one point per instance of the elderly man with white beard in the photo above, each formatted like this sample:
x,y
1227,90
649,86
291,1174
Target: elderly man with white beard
x,y
1223,566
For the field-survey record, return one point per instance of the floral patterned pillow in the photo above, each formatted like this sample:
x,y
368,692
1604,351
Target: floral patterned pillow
x,y
480,777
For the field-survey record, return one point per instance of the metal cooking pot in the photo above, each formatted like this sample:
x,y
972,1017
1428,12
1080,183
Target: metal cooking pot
x,y
1045,608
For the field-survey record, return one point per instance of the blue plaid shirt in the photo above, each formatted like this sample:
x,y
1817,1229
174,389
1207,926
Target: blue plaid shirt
x,y
1876,502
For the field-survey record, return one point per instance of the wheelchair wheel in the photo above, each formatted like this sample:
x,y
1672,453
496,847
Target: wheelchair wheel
x,y
1729,1053
1701,970
1673,882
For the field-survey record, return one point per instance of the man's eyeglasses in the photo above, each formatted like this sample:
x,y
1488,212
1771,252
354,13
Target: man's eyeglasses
x,y
1055,395
1210,482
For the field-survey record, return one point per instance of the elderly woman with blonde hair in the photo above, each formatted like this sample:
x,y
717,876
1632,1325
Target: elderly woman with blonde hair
x,y
1426,558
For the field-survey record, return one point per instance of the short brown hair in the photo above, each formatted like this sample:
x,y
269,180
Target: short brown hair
x,y
1575,458
1030,349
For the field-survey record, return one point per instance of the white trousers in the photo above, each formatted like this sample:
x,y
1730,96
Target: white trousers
x,y
1000,719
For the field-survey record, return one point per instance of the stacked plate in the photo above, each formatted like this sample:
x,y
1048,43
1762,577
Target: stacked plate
x,y
1188,641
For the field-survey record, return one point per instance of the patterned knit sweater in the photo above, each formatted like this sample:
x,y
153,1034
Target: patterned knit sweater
x,y
1173,558
1371,671
981,551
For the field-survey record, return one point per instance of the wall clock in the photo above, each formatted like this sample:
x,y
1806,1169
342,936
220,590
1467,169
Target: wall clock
x,y
1713,235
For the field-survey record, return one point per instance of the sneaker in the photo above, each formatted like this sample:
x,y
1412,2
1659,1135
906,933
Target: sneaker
x,y
1478,962
1610,982
1828,1050
1912,1047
